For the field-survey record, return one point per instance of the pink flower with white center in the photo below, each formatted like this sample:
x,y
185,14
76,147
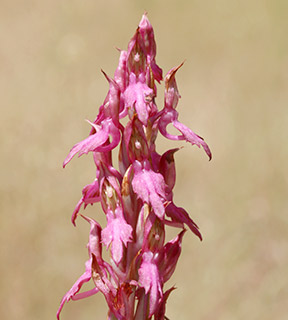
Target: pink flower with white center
x,y
137,197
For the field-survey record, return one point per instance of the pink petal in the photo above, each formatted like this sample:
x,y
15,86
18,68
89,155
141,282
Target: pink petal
x,y
90,195
117,233
86,276
178,214
76,211
150,187
96,141
138,95
89,144
170,116
85,294
192,137
150,280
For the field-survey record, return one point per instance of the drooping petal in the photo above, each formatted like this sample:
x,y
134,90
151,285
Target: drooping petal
x,y
117,233
89,144
192,137
171,116
91,193
95,249
96,141
179,215
114,132
150,187
86,276
76,211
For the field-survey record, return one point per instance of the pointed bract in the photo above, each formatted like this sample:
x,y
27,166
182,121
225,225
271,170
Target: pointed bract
x,y
167,168
171,255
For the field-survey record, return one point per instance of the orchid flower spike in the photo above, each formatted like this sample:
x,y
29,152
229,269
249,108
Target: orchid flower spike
x,y
137,197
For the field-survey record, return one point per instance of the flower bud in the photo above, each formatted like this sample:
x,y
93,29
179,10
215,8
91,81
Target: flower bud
x,y
171,90
156,235
136,142
136,59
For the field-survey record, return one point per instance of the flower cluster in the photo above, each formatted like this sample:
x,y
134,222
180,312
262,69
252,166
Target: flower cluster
x,y
137,199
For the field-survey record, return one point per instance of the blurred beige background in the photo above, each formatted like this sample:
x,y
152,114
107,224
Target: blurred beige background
x,y
234,94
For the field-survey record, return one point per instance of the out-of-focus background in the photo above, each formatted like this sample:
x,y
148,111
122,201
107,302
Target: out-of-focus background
x,y
234,88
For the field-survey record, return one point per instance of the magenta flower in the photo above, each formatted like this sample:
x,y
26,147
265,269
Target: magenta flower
x,y
117,233
136,198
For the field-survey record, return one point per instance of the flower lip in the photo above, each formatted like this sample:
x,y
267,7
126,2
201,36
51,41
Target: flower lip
x,y
149,186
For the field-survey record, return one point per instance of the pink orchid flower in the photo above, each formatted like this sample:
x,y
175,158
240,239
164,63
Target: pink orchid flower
x,y
137,198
